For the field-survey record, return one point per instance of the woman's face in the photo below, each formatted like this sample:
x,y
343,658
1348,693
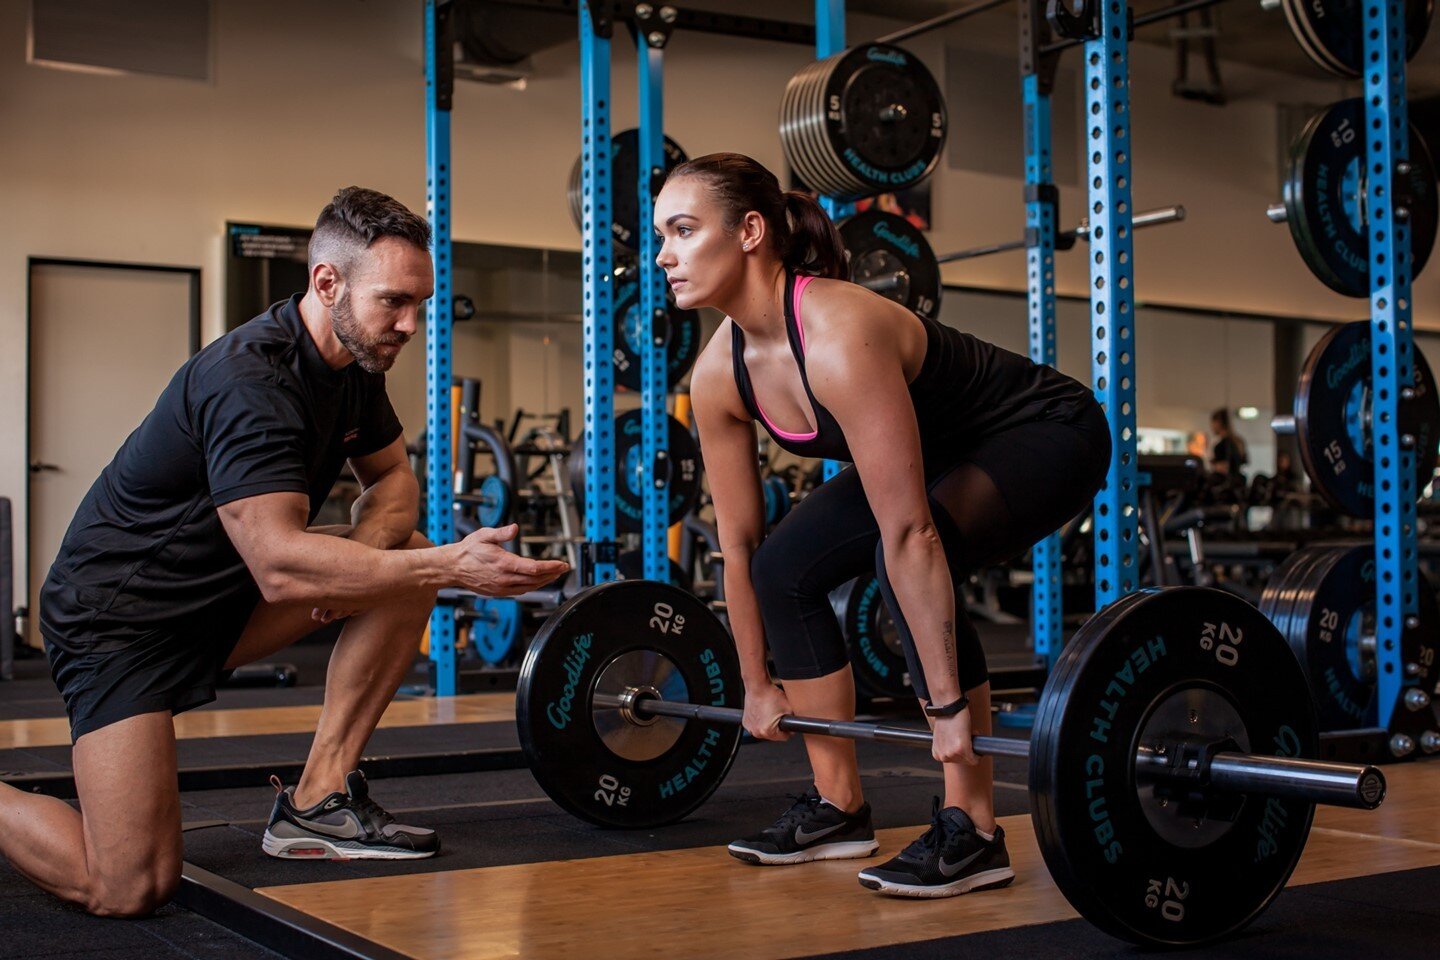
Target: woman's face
x,y
701,259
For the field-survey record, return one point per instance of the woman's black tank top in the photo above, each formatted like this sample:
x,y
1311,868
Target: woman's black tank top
x,y
966,389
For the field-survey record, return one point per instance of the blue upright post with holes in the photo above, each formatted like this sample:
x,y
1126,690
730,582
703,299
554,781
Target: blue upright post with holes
x,y
439,84
1392,354
1046,593
654,474
830,40
598,283
1112,298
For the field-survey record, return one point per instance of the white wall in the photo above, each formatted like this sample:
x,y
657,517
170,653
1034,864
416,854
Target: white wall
x,y
307,96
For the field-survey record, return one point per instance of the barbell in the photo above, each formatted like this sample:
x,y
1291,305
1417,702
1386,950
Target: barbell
x,y
1168,786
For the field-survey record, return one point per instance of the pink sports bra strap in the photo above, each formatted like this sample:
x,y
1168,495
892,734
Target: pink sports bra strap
x,y
800,284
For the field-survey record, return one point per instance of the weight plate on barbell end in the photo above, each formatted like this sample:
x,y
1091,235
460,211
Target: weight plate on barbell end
x,y
880,244
876,656
494,508
681,347
1167,874
495,629
1277,600
1331,32
624,186
585,755
683,458
1332,429
1324,194
801,108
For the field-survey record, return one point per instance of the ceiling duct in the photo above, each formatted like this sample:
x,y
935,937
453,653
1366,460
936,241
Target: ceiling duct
x,y
494,42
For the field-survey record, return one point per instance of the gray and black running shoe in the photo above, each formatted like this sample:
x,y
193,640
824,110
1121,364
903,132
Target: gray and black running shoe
x,y
343,826
810,830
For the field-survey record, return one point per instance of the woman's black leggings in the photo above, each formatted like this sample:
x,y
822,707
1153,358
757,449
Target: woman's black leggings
x,y
990,501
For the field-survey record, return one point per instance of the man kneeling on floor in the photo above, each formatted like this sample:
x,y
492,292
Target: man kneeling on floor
x,y
192,554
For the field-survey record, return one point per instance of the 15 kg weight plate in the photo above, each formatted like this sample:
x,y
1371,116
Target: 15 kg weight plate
x,y
889,255
1332,32
1325,206
684,472
1165,665
584,754
624,186
1332,419
681,348
866,121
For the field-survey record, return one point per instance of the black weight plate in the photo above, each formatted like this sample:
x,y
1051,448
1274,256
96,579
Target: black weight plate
x,y
800,113
1331,419
1278,598
684,459
571,746
1336,609
1108,852
876,656
884,117
1324,193
881,244
624,186
681,348
1332,32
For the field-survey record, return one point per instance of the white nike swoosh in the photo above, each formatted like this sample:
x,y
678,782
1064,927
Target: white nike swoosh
x,y
801,836
950,869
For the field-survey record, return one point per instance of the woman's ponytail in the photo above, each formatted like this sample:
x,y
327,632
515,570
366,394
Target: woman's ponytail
x,y
814,245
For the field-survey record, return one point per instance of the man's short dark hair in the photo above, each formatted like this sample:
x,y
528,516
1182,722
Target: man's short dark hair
x,y
355,219
1221,418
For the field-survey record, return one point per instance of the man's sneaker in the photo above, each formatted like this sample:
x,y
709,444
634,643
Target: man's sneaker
x,y
810,830
947,859
343,826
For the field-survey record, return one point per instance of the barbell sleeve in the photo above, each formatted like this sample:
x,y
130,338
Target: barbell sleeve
x,y
1283,424
1277,213
1316,781
1148,218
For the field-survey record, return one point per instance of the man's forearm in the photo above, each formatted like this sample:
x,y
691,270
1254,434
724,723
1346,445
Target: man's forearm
x,y
333,571
384,515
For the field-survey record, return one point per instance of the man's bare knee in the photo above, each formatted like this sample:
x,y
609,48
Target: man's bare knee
x,y
139,895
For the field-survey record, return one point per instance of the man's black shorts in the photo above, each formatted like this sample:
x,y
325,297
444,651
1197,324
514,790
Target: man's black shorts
x,y
175,668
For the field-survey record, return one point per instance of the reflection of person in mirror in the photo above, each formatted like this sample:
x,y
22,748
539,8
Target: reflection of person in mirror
x,y
1229,454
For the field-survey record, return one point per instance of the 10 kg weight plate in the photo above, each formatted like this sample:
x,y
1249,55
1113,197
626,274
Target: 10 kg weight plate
x,y
893,258
584,754
1160,665
1325,205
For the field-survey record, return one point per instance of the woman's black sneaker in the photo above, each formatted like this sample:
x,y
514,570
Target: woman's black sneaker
x,y
343,826
948,859
810,830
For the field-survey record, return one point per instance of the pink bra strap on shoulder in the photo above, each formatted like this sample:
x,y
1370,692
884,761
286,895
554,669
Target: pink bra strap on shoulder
x,y
800,284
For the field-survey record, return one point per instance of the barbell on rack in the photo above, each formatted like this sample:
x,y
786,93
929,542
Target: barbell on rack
x,y
1168,788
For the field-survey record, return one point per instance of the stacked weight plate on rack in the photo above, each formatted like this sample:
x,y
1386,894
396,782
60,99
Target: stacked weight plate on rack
x,y
1322,599
1331,34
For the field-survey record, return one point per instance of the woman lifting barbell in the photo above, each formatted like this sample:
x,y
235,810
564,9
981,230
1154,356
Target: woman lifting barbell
x,y
964,454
